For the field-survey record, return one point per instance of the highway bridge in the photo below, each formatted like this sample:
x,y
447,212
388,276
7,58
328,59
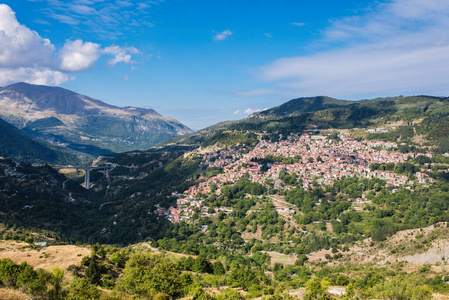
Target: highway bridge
x,y
87,170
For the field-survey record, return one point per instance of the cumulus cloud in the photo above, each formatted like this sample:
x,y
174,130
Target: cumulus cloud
x,y
21,46
220,36
120,54
398,47
78,56
26,56
236,112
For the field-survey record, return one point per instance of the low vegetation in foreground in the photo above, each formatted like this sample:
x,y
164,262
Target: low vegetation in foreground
x,y
144,272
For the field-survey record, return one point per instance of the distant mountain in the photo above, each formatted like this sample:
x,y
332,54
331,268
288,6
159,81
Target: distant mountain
x,y
63,117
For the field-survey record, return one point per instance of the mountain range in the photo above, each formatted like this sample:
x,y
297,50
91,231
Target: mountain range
x,y
65,118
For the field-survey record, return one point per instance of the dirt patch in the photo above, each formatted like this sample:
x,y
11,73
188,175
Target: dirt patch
x,y
319,255
250,235
337,290
6,294
298,294
45,258
419,139
281,258
145,247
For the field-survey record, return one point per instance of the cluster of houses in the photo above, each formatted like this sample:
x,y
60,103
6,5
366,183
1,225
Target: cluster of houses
x,y
316,161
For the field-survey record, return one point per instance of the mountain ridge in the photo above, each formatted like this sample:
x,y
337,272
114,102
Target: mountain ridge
x,y
86,121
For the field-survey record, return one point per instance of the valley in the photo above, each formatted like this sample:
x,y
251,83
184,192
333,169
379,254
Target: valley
x,y
317,199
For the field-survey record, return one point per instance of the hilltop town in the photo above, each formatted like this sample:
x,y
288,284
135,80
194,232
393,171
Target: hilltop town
x,y
312,159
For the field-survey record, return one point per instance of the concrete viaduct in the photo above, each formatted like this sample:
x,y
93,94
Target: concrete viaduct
x,y
87,170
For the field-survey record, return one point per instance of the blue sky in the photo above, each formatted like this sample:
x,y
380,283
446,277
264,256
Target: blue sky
x,y
202,62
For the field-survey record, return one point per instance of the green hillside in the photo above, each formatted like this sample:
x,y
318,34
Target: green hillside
x,y
304,105
17,145
279,209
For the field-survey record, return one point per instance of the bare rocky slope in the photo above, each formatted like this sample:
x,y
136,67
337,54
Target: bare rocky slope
x,y
81,123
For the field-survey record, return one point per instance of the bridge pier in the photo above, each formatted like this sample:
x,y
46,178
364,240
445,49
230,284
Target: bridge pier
x,y
87,178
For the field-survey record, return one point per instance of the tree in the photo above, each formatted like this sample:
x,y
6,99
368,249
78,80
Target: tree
x,y
119,258
218,268
56,279
81,289
399,288
317,289
147,274
93,274
202,265
243,277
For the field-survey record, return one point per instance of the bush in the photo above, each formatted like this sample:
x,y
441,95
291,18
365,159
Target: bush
x,y
148,275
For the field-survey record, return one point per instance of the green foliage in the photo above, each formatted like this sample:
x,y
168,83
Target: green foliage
x,y
119,258
231,138
81,289
146,275
93,274
38,283
399,288
218,268
242,277
317,289
17,145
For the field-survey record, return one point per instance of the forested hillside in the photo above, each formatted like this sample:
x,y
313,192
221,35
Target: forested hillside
x,y
15,144
277,205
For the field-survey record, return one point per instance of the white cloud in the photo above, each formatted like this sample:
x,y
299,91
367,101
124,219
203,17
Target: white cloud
x,y
37,75
65,19
82,9
298,23
26,56
20,46
120,54
250,111
398,47
107,19
236,112
220,36
78,56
